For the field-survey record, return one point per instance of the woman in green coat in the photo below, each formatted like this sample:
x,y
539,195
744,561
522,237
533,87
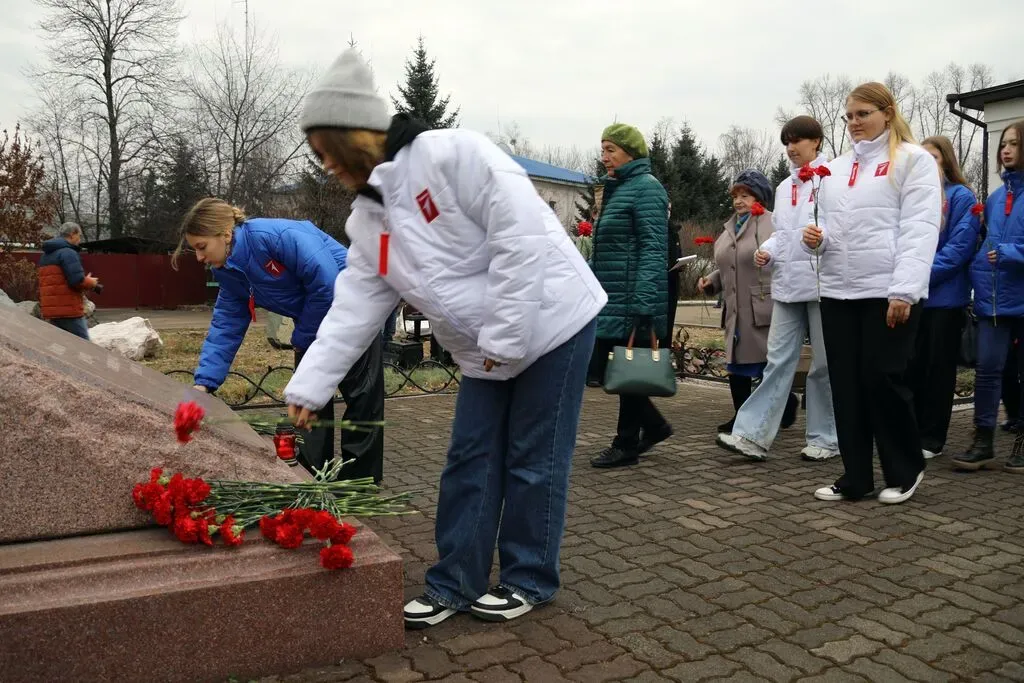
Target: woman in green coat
x,y
630,261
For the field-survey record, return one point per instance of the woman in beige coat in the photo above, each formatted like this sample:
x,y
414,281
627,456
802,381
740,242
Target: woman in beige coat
x,y
746,288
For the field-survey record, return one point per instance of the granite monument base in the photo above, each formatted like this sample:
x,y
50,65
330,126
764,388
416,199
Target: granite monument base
x,y
140,606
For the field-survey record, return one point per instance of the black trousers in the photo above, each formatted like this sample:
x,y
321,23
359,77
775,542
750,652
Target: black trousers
x,y
932,373
636,413
867,365
1012,387
363,391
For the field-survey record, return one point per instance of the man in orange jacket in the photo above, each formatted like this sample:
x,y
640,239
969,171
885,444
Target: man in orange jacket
x,y
62,280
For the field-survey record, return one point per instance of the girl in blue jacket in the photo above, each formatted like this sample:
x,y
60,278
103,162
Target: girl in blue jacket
x,y
997,275
287,267
932,371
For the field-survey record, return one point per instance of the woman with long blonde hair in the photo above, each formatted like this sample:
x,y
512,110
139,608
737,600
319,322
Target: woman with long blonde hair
x,y
932,373
287,267
879,216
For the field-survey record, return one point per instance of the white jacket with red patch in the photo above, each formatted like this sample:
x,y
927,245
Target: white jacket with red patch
x,y
472,246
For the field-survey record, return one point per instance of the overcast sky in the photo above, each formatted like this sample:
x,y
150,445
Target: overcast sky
x,y
564,69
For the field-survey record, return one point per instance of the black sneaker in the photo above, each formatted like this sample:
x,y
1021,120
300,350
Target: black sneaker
x,y
424,611
649,440
726,427
501,604
1016,462
615,457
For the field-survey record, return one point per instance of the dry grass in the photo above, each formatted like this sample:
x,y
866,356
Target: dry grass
x,y
255,357
702,337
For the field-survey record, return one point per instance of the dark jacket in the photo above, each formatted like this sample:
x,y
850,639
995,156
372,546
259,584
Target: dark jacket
x,y
61,280
284,266
630,256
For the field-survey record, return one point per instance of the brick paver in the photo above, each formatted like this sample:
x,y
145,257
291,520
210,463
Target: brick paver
x,y
698,565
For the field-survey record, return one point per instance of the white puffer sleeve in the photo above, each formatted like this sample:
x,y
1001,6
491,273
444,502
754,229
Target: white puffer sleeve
x,y
918,232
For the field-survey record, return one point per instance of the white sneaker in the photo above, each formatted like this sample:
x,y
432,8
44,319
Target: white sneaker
x,y
423,612
829,493
818,453
741,446
895,495
928,455
501,604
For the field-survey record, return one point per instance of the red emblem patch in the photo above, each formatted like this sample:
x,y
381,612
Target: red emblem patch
x,y
427,207
882,169
274,268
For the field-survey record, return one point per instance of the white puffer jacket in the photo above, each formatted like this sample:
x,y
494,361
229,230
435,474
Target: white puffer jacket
x,y
793,278
472,246
880,229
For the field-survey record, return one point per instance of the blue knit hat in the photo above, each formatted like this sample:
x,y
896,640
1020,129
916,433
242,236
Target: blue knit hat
x,y
757,183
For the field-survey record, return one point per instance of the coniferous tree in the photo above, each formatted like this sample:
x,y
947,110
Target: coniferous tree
x,y
420,96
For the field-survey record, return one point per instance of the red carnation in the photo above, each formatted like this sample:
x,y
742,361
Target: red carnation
x,y
162,510
757,209
268,527
699,241
336,557
196,491
300,517
585,228
186,529
344,534
206,531
288,536
187,419
805,173
822,171
323,525
155,475
978,209
231,533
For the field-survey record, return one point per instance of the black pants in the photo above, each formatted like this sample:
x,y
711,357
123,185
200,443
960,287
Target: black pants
x,y
867,364
1012,387
636,413
932,373
363,391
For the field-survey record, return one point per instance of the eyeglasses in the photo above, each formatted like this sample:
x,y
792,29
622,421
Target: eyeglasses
x,y
858,115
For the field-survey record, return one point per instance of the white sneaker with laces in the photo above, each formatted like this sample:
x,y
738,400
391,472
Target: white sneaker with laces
x,y
818,453
501,604
423,612
928,455
741,446
829,493
892,496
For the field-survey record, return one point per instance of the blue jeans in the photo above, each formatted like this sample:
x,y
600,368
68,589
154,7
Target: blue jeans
x,y
388,333
76,326
507,478
759,418
994,338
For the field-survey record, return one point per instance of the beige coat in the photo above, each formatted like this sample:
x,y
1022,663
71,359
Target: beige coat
x,y
747,289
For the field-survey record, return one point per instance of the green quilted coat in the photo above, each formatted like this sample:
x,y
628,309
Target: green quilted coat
x,y
631,253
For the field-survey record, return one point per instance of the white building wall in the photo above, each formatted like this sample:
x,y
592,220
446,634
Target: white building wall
x,y
563,195
997,116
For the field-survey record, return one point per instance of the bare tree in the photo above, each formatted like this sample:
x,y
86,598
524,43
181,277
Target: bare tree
x,y
118,56
824,98
904,92
570,157
512,136
243,111
742,148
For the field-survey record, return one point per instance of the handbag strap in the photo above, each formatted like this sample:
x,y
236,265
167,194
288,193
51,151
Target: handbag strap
x,y
632,339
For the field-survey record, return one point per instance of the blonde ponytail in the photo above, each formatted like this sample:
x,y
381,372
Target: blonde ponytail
x,y
209,217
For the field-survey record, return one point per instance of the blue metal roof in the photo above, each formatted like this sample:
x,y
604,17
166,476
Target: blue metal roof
x,y
538,169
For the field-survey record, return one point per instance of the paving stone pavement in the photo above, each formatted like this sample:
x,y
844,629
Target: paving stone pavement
x,y
698,565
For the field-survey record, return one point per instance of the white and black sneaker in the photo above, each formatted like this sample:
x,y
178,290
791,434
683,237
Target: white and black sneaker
x,y
424,611
501,604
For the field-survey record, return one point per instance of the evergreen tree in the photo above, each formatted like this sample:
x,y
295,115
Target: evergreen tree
x,y
323,201
780,172
166,192
587,202
420,96
698,189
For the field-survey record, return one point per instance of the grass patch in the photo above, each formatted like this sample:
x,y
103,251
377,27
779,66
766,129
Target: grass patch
x,y
702,337
256,356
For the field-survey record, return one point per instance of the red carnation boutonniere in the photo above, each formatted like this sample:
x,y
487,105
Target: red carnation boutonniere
x,y
757,209
978,209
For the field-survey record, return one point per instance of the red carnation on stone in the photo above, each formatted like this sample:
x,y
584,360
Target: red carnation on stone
x,y
343,535
186,529
757,209
822,171
163,511
288,536
323,525
300,517
187,419
231,533
805,173
268,527
196,491
336,557
978,209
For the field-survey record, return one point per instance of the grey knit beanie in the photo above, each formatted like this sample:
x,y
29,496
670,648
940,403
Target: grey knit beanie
x,y
345,98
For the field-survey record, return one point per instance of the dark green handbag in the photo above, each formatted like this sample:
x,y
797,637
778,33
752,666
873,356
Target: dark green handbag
x,y
640,372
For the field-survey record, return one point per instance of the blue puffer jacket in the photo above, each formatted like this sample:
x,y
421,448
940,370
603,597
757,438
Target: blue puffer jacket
x,y
285,266
999,288
950,285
